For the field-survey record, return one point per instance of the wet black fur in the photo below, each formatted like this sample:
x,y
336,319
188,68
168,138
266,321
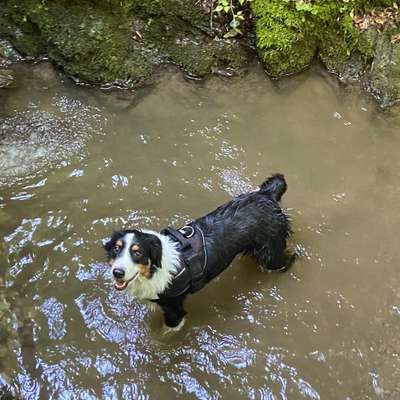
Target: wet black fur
x,y
252,223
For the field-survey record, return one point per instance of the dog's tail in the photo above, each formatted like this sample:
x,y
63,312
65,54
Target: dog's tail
x,y
275,186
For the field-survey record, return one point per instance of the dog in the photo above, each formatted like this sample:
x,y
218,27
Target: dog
x,y
165,267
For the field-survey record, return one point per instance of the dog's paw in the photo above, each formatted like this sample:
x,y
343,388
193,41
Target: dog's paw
x,y
291,258
168,330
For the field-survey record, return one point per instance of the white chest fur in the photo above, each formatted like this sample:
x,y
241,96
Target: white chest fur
x,y
143,288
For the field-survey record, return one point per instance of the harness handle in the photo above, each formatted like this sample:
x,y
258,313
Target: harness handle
x,y
185,243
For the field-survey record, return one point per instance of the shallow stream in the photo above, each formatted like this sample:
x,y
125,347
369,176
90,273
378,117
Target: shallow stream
x,y
77,163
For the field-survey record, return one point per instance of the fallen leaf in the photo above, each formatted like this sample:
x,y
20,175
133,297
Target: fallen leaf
x,y
395,38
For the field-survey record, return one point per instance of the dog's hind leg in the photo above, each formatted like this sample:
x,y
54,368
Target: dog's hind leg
x,y
273,256
282,262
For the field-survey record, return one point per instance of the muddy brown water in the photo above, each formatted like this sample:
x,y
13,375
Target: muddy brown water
x,y
77,163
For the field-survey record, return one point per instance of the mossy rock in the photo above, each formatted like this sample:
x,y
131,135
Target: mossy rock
x,y
117,41
348,63
191,50
16,27
91,43
283,43
7,53
291,32
383,77
173,11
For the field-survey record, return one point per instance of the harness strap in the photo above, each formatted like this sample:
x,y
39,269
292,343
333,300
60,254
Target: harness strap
x,y
178,235
194,255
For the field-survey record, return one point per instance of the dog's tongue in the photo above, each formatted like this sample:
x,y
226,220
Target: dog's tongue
x,y
120,285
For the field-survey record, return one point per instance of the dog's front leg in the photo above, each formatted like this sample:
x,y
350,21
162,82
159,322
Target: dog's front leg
x,y
174,313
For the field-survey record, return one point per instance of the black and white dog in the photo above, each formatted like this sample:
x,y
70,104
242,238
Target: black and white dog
x,y
165,267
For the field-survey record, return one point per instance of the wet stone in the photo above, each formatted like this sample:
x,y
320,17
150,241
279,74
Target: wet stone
x,y
383,79
3,56
6,77
7,53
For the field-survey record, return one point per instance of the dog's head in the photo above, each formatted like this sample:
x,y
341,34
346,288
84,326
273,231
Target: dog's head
x,y
133,254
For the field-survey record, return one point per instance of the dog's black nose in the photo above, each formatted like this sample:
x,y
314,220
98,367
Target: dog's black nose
x,y
118,273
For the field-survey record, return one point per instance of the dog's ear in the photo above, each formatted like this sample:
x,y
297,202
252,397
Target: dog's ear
x,y
107,246
155,252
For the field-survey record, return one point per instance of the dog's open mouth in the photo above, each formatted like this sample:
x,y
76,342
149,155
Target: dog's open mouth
x,y
119,284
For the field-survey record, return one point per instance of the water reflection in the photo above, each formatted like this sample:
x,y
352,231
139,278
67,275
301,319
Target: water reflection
x,y
54,313
35,139
328,328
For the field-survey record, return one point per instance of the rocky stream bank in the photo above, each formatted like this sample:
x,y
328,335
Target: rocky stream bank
x,y
123,42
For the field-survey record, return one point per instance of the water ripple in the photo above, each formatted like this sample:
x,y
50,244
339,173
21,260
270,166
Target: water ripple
x,y
53,309
33,139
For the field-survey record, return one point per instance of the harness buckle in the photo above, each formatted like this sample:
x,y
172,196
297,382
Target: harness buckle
x,y
184,232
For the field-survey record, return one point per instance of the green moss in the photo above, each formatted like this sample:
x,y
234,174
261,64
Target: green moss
x,y
96,40
24,35
172,10
93,39
344,45
203,59
291,32
85,41
91,43
191,57
188,48
231,55
284,45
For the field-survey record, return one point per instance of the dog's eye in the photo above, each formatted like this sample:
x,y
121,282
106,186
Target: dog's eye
x,y
135,250
116,249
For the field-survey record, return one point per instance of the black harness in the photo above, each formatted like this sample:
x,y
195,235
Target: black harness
x,y
190,277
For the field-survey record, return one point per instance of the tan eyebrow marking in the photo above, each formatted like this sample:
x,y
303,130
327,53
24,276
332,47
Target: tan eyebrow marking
x,y
135,247
119,243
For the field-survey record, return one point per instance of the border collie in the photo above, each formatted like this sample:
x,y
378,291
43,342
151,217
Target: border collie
x,y
165,267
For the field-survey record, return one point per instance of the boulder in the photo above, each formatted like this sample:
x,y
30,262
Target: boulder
x,y
118,42
382,79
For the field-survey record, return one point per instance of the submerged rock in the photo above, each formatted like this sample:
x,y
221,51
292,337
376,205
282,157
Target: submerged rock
x,y
6,77
33,140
